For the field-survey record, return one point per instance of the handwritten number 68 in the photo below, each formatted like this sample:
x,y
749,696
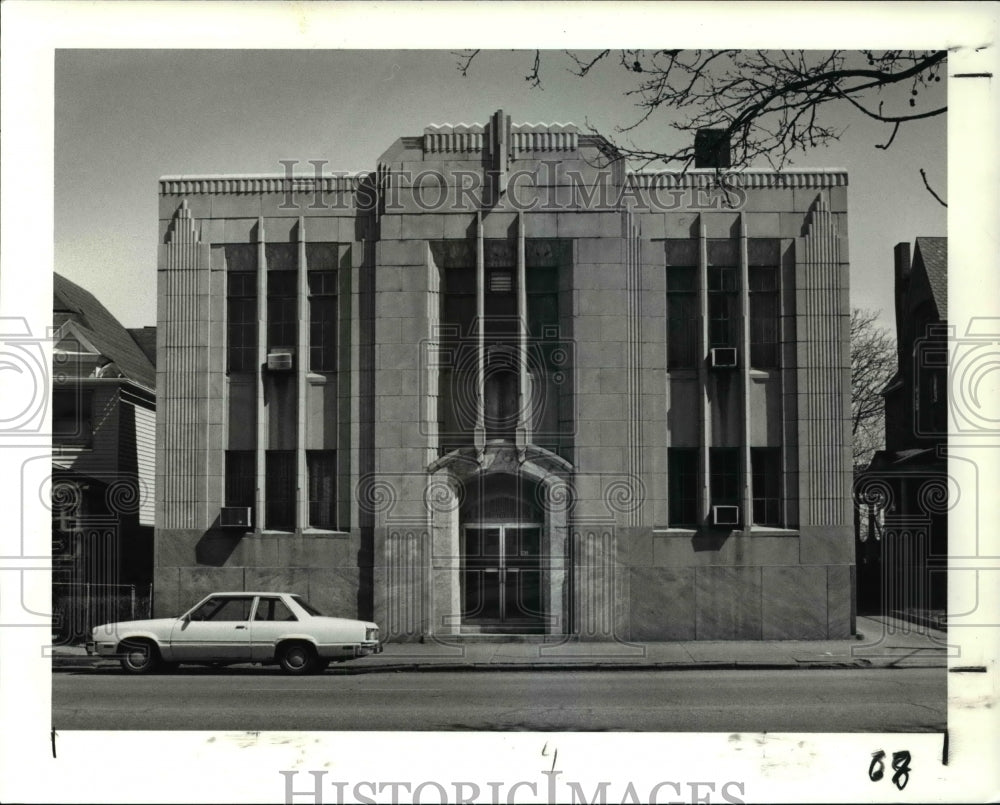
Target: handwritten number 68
x,y
900,762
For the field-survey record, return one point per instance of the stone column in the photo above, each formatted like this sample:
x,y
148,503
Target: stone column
x,y
746,469
301,370
705,418
525,412
259,497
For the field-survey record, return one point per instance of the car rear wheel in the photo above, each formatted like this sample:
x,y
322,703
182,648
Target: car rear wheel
x,y
139,656
298,658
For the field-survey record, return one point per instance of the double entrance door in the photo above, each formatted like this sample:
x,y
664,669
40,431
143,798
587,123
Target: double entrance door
x,y
502,578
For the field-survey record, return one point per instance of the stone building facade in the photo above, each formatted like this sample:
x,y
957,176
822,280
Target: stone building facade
x,y
499,384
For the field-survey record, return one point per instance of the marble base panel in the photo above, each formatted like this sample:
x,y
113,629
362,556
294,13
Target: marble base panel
x,y
662,604
793,603
728,601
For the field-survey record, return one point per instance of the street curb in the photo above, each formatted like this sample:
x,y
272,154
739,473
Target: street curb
x,y
352,670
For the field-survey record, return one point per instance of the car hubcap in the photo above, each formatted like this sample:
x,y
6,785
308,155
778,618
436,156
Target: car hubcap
x,y
137,658
296,658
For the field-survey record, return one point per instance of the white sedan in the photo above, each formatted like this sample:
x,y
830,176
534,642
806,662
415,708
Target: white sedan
x,y
238,627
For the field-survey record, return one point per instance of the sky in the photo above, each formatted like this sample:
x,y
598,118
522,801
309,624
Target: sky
x,y
123,118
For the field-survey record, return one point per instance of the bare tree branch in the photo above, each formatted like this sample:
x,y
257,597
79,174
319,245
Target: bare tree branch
x,y
770,103
465,59
923,175
873,364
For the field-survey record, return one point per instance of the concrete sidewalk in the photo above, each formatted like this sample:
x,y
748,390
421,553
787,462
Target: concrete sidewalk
x,y
882,642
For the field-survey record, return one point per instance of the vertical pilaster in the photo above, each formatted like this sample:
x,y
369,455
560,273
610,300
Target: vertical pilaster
x,y
746,502
301,370
705,418
183,390
824,480
634,364
480,434
259,497
525,415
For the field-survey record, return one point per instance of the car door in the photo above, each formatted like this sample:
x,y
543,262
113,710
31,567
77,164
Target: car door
x,y
272,619
218,630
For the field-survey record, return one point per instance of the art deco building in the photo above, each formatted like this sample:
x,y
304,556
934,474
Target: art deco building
x,y
498,384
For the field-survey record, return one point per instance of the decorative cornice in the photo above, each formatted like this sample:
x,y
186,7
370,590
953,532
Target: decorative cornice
x,y
751,178
260,183
465,138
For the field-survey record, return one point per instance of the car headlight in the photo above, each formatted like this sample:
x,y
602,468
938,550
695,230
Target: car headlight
x,y
371,633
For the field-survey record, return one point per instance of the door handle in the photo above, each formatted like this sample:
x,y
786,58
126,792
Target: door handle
x,y
241,627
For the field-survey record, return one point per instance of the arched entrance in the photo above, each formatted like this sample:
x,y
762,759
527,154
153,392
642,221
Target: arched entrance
x,y
499,537
503,574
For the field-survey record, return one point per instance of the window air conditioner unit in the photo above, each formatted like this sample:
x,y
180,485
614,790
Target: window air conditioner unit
x,y
723,357
725,515
236,517
280,360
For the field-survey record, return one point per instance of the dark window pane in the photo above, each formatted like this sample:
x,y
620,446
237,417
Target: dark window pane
x,y
723,252
683,323
282,309
542,280
682,252
682,491
322,283
241,306
322,465
241,480
766,477
273,609
280,490
763,251
323,334
232,609
241,257
763,317
682,278
459,280
724,476
281,256
322,256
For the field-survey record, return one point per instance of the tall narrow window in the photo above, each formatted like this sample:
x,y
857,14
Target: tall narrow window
x,y
722,306
240,260
723,293
764,258
241,478
724,476
321,263
683,320
457,357
282,296
682,491
766,476
501,359
280,490
322,466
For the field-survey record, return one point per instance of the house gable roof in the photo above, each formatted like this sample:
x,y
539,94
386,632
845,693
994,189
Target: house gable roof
x,y
933,253
97,326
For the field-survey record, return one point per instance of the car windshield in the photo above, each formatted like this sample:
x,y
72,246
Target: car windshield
x,y
306,605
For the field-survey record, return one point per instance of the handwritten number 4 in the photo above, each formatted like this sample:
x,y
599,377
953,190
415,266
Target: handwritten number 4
x,y
900,762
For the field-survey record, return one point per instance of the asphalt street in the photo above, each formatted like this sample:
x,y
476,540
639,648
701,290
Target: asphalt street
x,y
902,700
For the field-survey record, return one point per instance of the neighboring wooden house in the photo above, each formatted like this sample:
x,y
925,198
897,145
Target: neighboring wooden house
x,y
103,459
908,481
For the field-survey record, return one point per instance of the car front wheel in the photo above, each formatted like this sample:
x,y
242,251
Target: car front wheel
x,y
139,656
298,658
